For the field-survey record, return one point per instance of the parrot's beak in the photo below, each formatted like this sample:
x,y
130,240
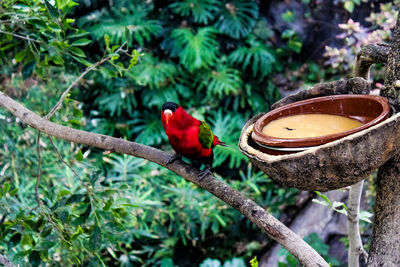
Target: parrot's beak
x,y
168,115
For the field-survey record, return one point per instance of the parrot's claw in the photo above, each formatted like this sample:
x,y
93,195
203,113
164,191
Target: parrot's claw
x,y
173,158
205,172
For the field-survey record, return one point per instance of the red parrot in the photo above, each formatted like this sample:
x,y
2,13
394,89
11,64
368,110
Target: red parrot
x,y
188,136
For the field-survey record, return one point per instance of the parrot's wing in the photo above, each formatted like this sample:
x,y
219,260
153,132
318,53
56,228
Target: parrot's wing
x,y
206,136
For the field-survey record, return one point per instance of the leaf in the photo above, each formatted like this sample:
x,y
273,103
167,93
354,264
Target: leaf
x,y
202,11
220,220
26,241
288,16
6,187
238,18
77,51
83,61
235,262
288,33
20,55
349,6
167,262
365,216
57,60
324,198
257,56
79,156
52,10
95,239
196,50
81,42
295,45
75,198
28,68
34,258
210,263
254,262
138,23
14,240
222,81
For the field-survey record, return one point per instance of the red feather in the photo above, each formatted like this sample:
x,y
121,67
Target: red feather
x,y
183,130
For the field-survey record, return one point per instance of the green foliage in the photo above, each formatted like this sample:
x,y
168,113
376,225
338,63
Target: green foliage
x,y
341,207
256,55
238,18
227,128
196,50
39,35
235,262
293,42
220,82
254,262
122,24
202,11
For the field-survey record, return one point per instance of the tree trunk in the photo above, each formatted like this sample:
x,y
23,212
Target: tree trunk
x,y
385,246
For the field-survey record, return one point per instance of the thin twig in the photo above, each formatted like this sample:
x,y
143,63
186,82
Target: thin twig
x,y
21,37
6,262
64,161
38,170
90,68
70,166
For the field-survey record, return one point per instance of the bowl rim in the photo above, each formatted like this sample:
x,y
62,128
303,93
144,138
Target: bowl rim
x,y
263,139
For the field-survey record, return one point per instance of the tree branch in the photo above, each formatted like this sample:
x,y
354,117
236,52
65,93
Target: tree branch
x,y
21,37
353,229
6,262
255,213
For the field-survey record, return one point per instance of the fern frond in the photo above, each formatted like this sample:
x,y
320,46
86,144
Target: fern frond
x,y
257,55
124,168
156,98
222,81
153,72
197,50
118,101
227,127
147,128
202,11
135,20
238,18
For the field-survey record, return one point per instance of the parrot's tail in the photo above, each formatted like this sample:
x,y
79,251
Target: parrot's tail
x,y
218,142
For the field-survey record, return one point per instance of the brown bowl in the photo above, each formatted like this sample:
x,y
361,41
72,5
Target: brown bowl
x,y
368,109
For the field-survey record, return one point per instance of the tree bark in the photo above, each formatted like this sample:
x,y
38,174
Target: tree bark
x,y
353,229
385,246
255,213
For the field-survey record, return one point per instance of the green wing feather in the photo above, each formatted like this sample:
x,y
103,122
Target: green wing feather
x,y
206,136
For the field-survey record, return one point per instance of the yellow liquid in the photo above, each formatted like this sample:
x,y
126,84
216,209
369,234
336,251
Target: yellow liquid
x,y
309,125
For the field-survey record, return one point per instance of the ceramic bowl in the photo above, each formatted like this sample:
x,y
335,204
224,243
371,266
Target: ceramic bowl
x,y
368,109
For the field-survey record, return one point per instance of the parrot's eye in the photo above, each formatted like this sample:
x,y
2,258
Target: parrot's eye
x,y
167,112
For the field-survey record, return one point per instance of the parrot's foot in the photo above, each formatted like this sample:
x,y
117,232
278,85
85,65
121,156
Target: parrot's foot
x,y
173,158
205,172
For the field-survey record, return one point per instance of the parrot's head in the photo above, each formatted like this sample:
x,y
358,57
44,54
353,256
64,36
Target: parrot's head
x,y
168,111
